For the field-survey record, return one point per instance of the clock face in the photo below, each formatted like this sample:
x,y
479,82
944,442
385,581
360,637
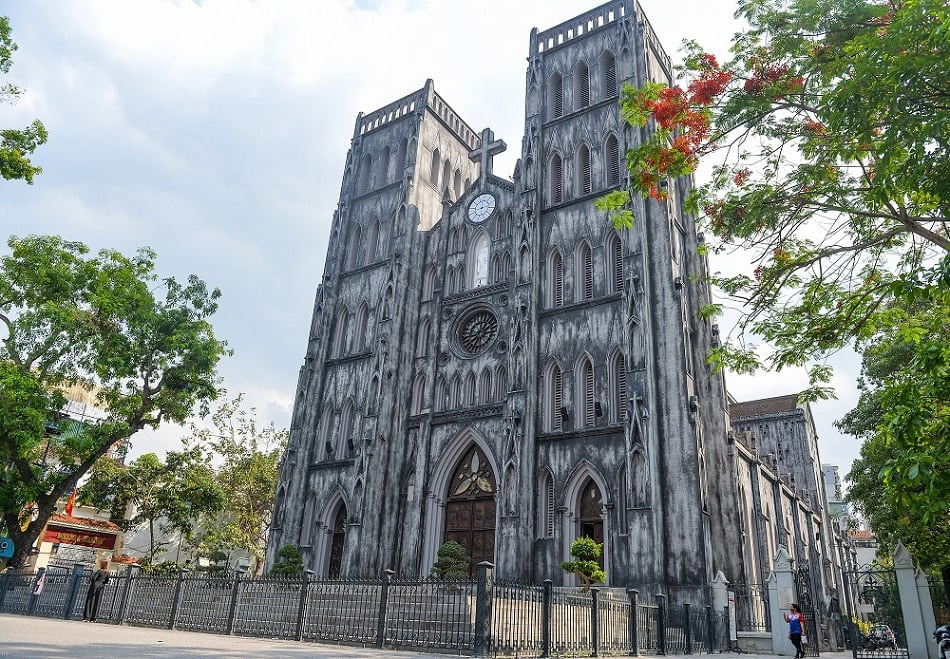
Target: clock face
x,y
481,208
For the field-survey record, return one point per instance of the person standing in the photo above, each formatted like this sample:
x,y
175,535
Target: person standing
x,y
796,628
94,595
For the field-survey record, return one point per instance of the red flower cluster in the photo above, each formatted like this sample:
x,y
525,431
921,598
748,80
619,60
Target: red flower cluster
x,y
813,126
741,176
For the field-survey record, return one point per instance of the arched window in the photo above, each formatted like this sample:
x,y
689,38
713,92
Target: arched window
x,y
388,303
505,265
383,168
401,160
583,272
428,284
345,439
353,250
584,386
372,242
618,386
581,86
471,389
434,169
556,180
484,387
337,543
612,160
501,384
546,506
555,287
457,183
326,448
553,398
455,394
478,260
555,96
608,75
366,167
342,328
468,183
446,175
359,333
440,404
422,341
614,253
373,396
584,185
419,394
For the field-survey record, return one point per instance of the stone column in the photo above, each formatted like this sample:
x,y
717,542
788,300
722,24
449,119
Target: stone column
x,y
781,585
917,641
720,592
927,611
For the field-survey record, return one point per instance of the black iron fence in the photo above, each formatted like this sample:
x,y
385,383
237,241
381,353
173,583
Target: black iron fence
x,y
482,617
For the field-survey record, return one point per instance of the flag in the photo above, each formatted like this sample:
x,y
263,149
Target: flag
x,y
72,501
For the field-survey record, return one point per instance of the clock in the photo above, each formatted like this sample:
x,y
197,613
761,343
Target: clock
x,y
481,208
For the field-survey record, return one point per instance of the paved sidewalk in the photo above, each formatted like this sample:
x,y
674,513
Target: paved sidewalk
x,y
26,637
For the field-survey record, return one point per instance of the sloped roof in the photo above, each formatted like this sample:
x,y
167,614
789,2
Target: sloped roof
x,y
85,522
764,406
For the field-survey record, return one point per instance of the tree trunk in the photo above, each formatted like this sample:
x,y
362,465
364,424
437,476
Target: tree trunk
x,y
23,541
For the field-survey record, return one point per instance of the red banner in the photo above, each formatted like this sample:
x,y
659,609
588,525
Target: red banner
x,y
82,538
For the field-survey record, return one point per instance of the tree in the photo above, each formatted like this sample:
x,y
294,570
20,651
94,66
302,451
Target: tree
x,y
586,551
104,323
453,563
247,476
16,145
289,562
166,497
830,129
899,483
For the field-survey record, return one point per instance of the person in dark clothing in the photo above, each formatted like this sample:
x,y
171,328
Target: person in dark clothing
x,y
796,628
94,595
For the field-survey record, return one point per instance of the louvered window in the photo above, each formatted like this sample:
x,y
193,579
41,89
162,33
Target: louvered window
x,y
612,156
586,398
441,394
555,96
585,272
341,333
555,399
546,507
353,250
584,184
372,242
422,341
434,170
501,384
484,394
581,86
620,387
557,180
401,160
428,287
383,168
615,252
455,399
556,281
359,336
366,167
608,72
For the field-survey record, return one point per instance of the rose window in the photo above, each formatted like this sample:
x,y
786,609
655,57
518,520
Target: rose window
x,y
477,331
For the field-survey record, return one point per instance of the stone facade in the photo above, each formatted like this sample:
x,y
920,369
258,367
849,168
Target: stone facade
x,y
491,361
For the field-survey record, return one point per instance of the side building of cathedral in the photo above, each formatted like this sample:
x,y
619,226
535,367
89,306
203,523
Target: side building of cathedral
x,y
491,362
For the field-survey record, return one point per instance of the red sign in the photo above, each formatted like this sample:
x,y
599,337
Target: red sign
x,y
82,538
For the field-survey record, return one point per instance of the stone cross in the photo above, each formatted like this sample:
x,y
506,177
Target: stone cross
x,y
490,147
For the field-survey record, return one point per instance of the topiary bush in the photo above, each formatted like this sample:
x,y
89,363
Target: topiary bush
x,y
289,563
453,563
586,552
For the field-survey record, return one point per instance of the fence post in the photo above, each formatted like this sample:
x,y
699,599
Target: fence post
x,y
661,624
74,581
632,621
483,601
232,610
594,622
130,575
710,631
302,604
36,589
3,588
176,601
383,608
546,595
687,629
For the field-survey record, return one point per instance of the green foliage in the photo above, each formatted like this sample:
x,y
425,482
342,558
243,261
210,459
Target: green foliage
x,y
899,483
586,552
452,563
16,145
289,564
143,349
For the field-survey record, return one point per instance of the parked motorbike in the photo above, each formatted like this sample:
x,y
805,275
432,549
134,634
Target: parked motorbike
x,y
942,639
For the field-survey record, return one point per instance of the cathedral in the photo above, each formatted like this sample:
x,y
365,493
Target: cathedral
x,y
491,362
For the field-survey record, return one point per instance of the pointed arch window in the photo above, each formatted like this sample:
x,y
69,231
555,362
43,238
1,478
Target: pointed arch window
x,y
618,386
441,402
471,389
585,393
555,96
419,394
353,249
457,183
484,387
366,167
342,327
434,169
455,395
387,303
581,85
359,333
608,74
383,167
555,279
446,175
428,284
556,180
478,263
373,396
372,241
524,264
553,399
345,439
614,263
501,384
584,272
422,341
612,160
325,450
584,184
401,159
546,506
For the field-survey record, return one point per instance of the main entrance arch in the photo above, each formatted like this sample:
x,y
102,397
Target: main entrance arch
x,y
470,506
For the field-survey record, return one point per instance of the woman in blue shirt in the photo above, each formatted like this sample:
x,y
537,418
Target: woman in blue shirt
x,y
796,628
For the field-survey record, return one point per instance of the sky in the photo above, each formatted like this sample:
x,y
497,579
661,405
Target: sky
x,y
216,132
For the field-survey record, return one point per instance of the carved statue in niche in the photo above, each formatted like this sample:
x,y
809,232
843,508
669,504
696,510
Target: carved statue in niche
x,y
510,506
517,368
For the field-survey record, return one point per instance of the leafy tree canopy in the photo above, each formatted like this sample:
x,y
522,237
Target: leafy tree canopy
x,y
289,562
16,145
831,129
585,551
143,347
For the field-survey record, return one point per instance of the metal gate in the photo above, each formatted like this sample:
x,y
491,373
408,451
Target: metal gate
x,y
806,602
877,629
